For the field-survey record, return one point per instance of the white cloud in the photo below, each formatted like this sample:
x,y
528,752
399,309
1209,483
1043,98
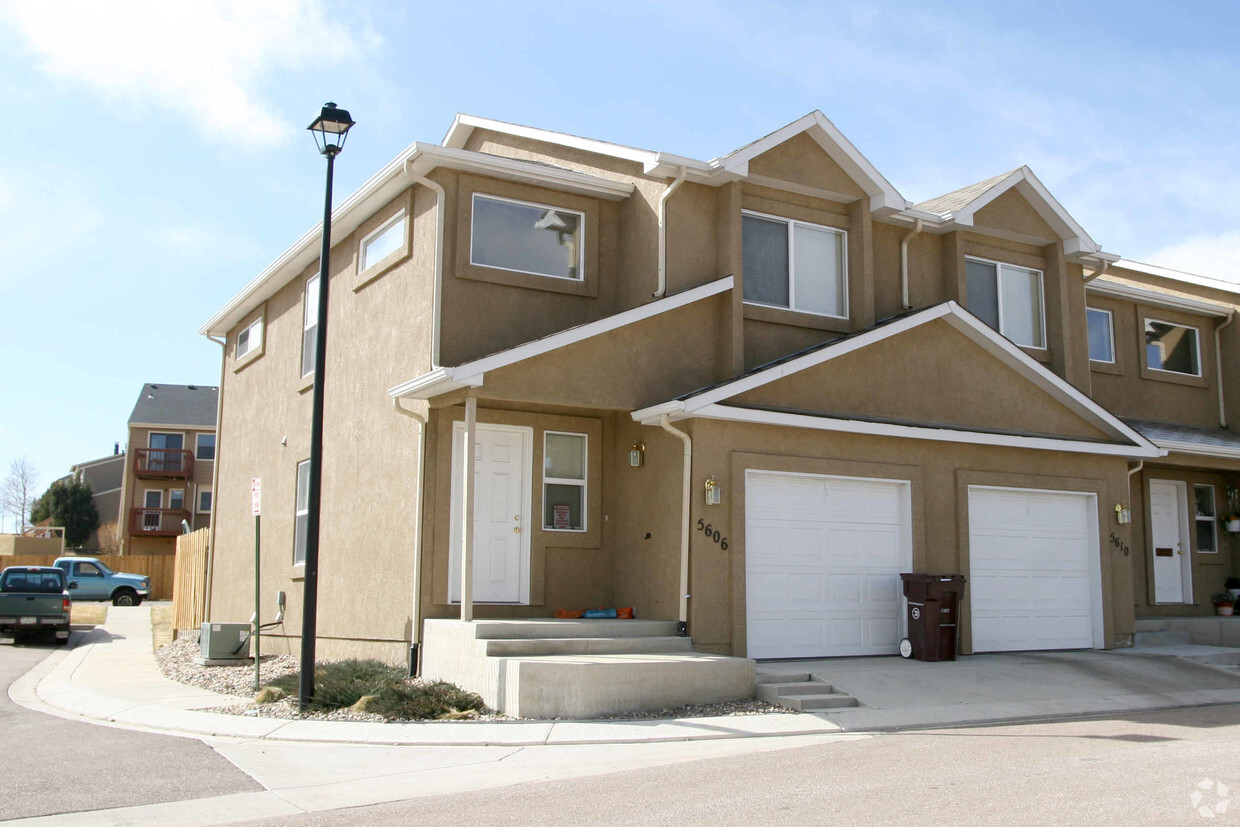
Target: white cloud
x,y
203,59
1216,256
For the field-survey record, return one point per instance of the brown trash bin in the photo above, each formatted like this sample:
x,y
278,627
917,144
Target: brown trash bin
x,y
933,606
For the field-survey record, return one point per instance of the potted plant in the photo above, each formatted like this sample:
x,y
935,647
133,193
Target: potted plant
x,y
1233,585
1231,523
1224,604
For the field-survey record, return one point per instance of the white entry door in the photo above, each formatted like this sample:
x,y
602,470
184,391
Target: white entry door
x,y
823,557
1034,570
501,513
1169,526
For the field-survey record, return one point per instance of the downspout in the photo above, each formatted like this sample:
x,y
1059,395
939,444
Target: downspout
x,y
1131,471
904,263
686,481
440,200
215,476
1098,272
1218,367
667,193
415,627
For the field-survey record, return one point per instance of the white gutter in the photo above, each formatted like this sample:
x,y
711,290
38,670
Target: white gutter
x,y
667,193
1098,272
904,263
1143,295
440,205
686,482
1218,366
415,626
215,478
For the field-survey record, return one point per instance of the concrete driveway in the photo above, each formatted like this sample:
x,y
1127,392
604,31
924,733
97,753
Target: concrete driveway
x,y
896,694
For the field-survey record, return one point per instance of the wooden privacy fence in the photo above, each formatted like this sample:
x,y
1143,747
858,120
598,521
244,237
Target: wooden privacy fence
x,y
189,589
158,567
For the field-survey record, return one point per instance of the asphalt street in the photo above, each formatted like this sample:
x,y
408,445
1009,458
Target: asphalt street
x,y
50,765
1151,768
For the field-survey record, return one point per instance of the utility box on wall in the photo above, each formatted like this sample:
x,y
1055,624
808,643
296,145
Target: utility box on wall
x,y
224,641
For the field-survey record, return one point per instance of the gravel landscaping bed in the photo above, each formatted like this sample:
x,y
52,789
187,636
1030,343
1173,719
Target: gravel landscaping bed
x,y
176,661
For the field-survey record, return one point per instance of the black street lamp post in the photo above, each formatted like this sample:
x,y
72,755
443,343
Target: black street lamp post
x,y
330,130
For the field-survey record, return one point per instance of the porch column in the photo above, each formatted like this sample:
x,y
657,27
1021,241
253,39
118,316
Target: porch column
x,y
467,510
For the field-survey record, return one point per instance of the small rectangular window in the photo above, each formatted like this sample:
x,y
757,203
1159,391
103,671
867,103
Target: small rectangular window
x,y
1172,347
205,446
309,325
204,500
794,264
1007,298
301,513
384,241
250,338
176,499
564,482
1101,335
1207,523
527,238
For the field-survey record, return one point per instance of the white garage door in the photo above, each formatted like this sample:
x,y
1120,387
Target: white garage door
x,y
823,557
1033,580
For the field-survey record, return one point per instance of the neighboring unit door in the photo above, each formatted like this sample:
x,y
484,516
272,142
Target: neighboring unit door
x,y
823,557
501,513
152,499
1034,578
1168,525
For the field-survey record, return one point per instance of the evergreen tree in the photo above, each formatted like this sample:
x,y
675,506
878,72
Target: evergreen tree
x,y
68,503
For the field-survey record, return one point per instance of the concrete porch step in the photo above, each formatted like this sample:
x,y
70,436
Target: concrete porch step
x,y
772,676
1162,637
804,696
1150,624
555,628
534,647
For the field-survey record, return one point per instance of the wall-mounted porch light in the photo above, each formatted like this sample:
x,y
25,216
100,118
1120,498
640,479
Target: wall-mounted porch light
x,y
713,493
637,455
1122,515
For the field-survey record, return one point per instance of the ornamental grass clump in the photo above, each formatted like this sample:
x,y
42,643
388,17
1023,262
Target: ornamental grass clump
x,y
386,690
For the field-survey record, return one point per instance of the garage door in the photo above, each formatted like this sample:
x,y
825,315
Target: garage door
x,y
823,557
1033,581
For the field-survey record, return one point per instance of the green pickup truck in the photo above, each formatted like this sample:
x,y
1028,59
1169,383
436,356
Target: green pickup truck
x,y
34,601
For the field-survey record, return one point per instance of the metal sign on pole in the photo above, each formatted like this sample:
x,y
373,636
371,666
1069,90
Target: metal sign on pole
x,y
256,508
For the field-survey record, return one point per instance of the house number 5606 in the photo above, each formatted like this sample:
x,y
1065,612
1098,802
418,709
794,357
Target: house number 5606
x,y
712,533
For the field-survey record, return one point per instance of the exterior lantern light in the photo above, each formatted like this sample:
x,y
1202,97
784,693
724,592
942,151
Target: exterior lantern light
x,y
637,454
330,130
713,492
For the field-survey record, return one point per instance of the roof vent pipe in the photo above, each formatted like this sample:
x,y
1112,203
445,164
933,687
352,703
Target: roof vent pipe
x,y
904,263
667,193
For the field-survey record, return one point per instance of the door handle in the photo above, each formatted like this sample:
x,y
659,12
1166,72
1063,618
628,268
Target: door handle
x,y
516,530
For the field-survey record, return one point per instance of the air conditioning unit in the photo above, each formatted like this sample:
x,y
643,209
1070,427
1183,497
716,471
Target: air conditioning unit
x,y
224,641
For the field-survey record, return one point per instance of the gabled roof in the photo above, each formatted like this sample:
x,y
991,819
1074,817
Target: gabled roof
x,y
472,374
188,405
711,402
1189,439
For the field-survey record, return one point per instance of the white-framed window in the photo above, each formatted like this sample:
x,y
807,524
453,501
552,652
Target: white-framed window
x,y
309,324
153,498
1101,335
176,499
204,446
564,481
152,501
526,237
1174,348
378,245
1008,298
301,513
250,338
794,264
1207,519
204,500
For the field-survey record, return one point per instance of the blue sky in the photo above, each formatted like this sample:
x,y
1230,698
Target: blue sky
x,y
157,158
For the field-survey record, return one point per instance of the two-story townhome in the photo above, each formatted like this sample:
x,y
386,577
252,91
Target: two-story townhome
x,y
104,476
167,483
741,395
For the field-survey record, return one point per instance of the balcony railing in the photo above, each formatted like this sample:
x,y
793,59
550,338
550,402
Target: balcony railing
x,y
163,463
156,522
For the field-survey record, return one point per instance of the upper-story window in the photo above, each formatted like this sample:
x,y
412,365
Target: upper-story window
x,y
250,338
378,245
204,446
1009,299
794,264
1101,335
309,324
1172,347
527,238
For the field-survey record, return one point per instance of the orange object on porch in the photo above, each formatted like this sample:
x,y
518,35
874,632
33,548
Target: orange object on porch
x,y
566,614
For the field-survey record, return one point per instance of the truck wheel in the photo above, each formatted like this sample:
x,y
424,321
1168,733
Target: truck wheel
x,y
125,597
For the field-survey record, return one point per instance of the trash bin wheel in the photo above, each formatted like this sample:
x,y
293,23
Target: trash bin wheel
x,y
906,648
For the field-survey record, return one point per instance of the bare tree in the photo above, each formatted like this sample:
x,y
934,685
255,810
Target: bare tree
x,y
17,492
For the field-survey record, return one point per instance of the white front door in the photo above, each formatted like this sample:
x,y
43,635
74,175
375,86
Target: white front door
x,y
501,513
823,557
1168,525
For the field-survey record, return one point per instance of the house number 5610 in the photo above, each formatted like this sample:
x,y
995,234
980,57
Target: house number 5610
x,y
712,533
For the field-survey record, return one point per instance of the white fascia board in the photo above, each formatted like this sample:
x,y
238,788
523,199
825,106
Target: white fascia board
x,y
1198,450
471,374
464,125
383,186
1106,287
652,415
1076,240
1177,275
854,426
